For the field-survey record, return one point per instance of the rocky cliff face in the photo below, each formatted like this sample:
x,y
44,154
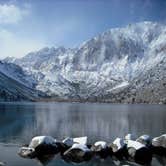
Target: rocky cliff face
x,y
120,65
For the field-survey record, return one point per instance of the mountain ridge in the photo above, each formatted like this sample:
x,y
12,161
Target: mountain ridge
x,y
104,68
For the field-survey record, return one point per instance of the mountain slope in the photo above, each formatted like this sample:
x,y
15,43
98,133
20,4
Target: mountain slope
x,y
15,85
119,65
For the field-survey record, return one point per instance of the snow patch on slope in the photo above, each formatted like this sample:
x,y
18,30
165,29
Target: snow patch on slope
x,y
119,87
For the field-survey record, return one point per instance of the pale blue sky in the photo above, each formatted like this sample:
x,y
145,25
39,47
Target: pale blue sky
x,y
27,25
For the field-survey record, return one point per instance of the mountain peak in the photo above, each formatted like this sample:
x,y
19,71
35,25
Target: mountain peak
x,y
100,65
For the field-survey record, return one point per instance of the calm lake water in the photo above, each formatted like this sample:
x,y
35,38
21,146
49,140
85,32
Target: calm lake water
x,y
19,122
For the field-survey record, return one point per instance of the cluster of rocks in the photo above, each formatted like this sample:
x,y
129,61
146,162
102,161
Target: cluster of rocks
x,y
77,150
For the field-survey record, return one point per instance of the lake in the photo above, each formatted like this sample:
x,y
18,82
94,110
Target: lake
x,y
20,121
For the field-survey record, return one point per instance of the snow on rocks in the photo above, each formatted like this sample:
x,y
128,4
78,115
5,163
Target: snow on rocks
x,y
68,141
138,152
39,146
159,141
101,149
77,153
79,140
76,150
80,146
118,149
117,144
134,144
2,163
42,140
145,139
159,145
103,144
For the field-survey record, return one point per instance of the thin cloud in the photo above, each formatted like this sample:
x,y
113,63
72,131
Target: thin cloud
x,y
11,14
12,45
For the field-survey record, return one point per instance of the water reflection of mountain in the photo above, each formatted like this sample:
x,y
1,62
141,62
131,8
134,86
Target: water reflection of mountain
x,y
100,121
13,119
22,121
81,119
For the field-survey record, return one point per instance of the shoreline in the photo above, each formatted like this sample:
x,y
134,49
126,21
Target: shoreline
x,y
48,100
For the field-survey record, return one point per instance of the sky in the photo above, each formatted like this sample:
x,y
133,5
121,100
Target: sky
x,y
29,25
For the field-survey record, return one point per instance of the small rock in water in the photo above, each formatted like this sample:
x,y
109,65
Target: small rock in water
x,y
2,163
101,149
138,152
118,148
79,140
68,141
40,146
145,139
77,153
159,141
117,144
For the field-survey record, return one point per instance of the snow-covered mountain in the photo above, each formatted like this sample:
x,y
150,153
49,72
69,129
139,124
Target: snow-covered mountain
x,y
15,84
115,66
16,72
